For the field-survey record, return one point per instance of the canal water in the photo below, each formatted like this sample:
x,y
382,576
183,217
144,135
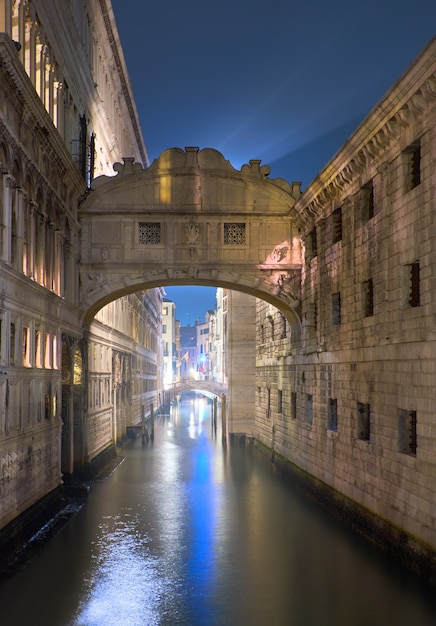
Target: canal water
x,y
187,531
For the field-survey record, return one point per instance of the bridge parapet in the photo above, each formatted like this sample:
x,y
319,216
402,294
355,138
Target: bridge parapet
x,y
211,386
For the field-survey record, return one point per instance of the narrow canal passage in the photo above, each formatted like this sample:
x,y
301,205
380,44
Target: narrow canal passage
x,y
187,532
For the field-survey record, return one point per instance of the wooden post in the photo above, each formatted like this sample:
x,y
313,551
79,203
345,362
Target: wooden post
x,y
152,422
144,431
224,418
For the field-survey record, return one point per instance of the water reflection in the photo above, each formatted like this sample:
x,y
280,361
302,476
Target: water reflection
x,y
188,532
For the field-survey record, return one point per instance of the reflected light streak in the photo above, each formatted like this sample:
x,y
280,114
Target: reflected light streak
x,y
125,586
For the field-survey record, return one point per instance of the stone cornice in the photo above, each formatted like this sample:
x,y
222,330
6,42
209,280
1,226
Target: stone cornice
x,y
409,98
35,116
121,67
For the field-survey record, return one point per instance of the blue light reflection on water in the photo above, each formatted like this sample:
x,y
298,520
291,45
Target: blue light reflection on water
x,y
187,532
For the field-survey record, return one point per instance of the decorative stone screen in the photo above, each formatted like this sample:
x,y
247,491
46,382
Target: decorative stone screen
x,y
234,234
149,232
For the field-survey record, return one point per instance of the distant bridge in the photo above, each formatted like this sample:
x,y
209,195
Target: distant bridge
x,y
208,387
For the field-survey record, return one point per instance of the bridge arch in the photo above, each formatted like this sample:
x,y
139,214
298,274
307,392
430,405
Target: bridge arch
x,y
190,218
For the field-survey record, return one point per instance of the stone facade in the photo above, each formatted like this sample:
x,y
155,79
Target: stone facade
x,y
348,396
66,113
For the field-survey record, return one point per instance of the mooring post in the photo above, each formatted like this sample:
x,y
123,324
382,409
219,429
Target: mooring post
x,y
215,411
224,418
152,423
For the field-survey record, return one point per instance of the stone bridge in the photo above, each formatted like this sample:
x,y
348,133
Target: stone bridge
x,y
190,219
208,387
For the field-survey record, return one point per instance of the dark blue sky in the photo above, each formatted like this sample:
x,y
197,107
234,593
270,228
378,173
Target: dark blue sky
x,y
280,81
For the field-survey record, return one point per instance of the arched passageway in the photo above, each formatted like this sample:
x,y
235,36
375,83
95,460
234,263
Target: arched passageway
x,y
190,219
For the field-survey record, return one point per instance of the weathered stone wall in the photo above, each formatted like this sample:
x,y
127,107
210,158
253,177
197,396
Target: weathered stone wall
x,y
358,390
240,356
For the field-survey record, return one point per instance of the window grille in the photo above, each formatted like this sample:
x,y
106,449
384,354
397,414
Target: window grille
x,y
413,281
368,298
337,225
234,234
309,409
332,416
149,233
293,405
413,163
336,309
363,421
12,344
367,196
313,242
407,441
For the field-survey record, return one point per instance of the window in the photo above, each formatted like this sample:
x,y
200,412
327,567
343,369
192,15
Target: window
x,y
149,233
336,309
293,405
367,298
12,344
313,243
367,196
413,166
337,225
413,296
279,401
164,328
332,414
363,421
26,353
309,409
268,403
407,431
234,234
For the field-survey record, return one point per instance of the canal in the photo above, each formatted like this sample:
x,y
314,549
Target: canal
x,y
188,531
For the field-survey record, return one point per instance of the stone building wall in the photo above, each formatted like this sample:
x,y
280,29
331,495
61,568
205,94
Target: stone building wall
x,y
66,113
358,393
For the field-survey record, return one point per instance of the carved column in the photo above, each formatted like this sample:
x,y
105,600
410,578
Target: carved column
x,y
6,17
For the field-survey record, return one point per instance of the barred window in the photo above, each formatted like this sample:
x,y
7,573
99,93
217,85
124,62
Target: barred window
x,y
413,165
413,284
367,298
337,225
309,409
336,309
293,405
367,195
407,431
363,421
332,417
234,234
149,232
313,242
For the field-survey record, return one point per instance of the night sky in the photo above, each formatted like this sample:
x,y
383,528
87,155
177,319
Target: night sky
x,y
280,81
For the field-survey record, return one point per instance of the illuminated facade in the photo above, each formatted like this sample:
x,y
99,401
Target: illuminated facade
x,y
66,115
348,395
170,339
